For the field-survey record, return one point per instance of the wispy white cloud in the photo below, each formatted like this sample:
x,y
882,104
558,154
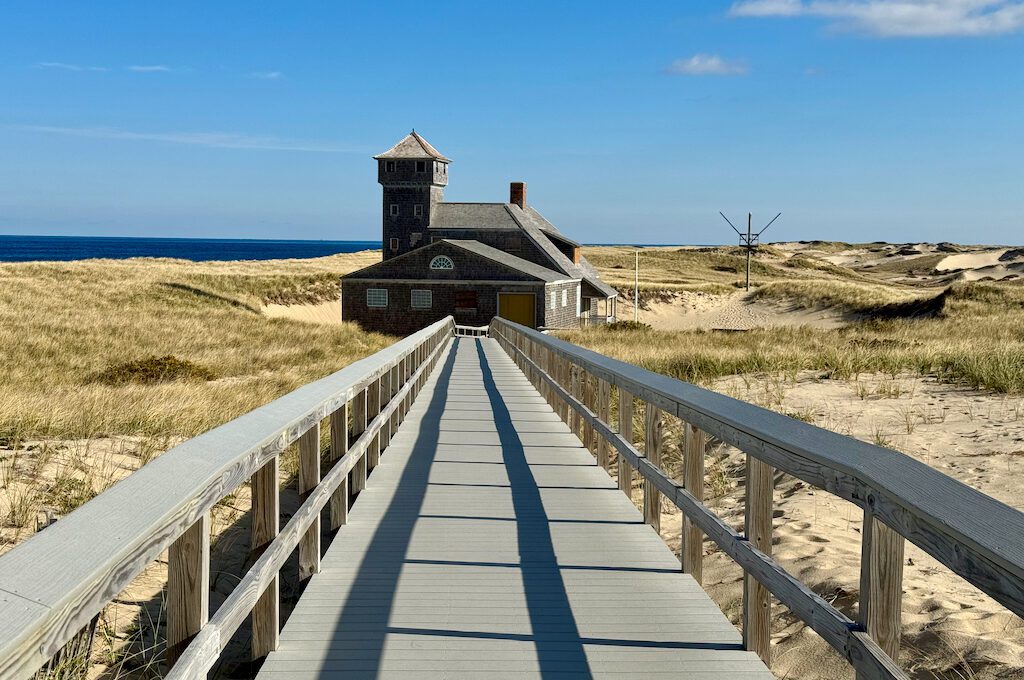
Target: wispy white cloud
x,y
68,67
220,140
155,68
707,65
898,18
266,75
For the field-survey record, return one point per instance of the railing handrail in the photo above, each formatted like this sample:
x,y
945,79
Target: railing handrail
x,y
55,582
975,535
978,537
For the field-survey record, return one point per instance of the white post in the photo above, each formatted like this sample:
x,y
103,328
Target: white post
x,y
636,287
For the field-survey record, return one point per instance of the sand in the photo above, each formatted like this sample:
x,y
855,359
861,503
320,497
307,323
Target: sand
x,y
321,313
688,310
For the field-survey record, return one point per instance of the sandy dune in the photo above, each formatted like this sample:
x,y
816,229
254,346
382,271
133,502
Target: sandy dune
x,y
322,313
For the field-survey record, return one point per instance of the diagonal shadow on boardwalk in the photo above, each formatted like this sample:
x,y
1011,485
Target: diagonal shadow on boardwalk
x,y
368,607
558,639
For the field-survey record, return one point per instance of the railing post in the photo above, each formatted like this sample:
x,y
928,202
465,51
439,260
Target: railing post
x,y
188,587
574,390
625,472
265,525
604,397
652,451
394,383
881,584
373,392
339,447
590,400
756,598
692,543
357,478
309,478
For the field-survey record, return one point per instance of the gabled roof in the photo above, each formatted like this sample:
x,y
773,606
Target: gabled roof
x,y
501,257
471,216
531,269
413,146
538,228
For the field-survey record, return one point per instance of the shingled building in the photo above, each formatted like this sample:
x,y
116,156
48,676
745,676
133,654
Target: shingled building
x,y
473,261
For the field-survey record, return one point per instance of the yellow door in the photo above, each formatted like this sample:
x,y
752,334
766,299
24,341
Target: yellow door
x,y
517,307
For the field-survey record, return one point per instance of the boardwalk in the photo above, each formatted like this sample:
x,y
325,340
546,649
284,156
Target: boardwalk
x,y
488,544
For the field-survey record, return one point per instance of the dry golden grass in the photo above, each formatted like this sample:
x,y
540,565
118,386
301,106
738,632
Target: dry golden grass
x,y
973,334
63,324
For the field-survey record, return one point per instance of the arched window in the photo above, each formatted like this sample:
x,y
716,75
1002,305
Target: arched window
x,y
442,262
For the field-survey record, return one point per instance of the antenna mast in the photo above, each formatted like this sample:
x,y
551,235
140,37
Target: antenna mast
x,y
750,240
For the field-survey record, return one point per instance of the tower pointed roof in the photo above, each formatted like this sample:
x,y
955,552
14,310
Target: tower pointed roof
x,y
413,146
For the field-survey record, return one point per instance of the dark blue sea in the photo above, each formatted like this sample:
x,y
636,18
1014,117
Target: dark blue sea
x,y
64,248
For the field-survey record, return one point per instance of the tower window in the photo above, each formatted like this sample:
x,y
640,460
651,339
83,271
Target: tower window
x,y
389,166
421,299
421,166
418,210
393,243
376,297
393,210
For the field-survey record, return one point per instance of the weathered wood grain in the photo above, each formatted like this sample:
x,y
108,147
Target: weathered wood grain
x,y
188,587
357,479
604,399
625,471
266,519
881,583
758,528
975,535
339,447
692,540
373,406
652,450
309,478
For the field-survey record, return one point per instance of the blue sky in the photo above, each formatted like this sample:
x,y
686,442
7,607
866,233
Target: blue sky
x,y
638,122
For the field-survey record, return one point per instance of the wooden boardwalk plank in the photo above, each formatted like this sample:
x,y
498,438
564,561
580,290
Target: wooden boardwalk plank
x,y
489,543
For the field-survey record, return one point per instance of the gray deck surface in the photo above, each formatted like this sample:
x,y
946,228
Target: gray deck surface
x,y
488,544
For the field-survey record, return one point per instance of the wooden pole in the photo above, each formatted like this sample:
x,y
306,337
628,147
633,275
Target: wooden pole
x,y
188,587
692,543
625,472
881,584
309,478
652,451
750,217
604,398
265,525
756,598
339,447
357,478
636,287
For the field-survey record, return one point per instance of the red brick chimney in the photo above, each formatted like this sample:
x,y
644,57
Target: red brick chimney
x,y
517,193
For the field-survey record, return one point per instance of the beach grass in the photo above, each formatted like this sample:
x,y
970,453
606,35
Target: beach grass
x,y
75,339
971,334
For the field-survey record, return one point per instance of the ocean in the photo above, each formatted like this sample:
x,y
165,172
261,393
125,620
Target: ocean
x,y
66,248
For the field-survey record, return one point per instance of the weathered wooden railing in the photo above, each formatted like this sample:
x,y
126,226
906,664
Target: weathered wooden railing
x,y
471,331
976,536
55,583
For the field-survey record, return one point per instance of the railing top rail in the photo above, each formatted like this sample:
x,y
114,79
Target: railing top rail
x,y
973,534
65,574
